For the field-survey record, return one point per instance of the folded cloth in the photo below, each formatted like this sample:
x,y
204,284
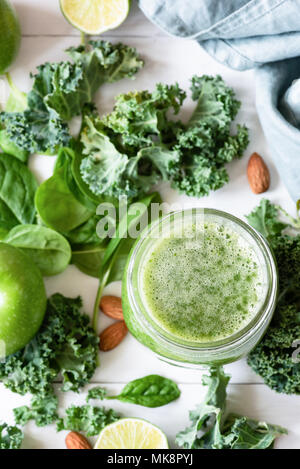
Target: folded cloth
x,y
244,34
290,103
241,34
284,139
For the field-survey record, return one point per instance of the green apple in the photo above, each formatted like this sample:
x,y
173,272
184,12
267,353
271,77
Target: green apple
x,y
22,299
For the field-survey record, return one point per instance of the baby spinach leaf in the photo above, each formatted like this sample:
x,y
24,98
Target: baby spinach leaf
x,y
11,148
17,188
49,250
7,219
150,391
57,206
88,258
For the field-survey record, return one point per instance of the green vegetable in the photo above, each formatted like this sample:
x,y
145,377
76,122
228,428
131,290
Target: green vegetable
x,y
88,258
272,359
57,206
11,148
60,91
10,437
43,411
17,189
219,431
65,344
150,391
206,143
88,419
138,145
96,393
49,250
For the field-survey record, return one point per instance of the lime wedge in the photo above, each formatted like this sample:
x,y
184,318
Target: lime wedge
x,y
95,16
10,35
131,433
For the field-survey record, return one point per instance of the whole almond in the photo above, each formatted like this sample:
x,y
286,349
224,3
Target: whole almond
x,y
112,336
75,440
112,307
258,174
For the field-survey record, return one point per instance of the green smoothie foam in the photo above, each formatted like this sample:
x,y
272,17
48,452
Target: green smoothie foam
x,y
203,285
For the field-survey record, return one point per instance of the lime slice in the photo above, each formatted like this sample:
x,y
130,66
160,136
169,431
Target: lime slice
x,y
132,433
10,35
95,16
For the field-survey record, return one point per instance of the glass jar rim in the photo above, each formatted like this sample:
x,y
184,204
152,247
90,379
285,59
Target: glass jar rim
x,y
257,322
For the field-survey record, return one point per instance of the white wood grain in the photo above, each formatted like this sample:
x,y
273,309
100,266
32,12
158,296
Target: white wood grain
x,y
46,35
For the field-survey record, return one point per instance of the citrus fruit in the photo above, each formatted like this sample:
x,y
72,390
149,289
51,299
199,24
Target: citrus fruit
x,y
131,433
95,16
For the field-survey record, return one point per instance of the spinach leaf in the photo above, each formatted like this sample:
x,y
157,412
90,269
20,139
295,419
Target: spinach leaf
x,y
7,220
150,391
88,258
11,148
57,206
17,188
85,233
49,250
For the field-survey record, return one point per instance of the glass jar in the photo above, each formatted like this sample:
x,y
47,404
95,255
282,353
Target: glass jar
x,y
171,348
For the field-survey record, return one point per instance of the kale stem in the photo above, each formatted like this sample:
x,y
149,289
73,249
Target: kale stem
x,y
295,222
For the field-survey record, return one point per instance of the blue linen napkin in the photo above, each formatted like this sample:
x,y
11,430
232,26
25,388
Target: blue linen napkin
x,y
244,34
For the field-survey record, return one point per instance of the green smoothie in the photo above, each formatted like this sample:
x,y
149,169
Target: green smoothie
x,y
202,285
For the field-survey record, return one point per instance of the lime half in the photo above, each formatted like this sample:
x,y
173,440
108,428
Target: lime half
x,y
95,16
10,35
132,433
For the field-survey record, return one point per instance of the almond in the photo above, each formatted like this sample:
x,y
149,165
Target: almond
x,y
258,174
112,307
112,336
75,440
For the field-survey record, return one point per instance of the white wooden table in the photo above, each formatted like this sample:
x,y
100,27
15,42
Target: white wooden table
x,y
45,36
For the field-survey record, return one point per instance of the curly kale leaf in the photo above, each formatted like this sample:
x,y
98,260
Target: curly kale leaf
x,y
140,118
43,410
109,171
10,437
191,156
65,344
61,90
273,358
205,143
220,431
96,393
88,419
